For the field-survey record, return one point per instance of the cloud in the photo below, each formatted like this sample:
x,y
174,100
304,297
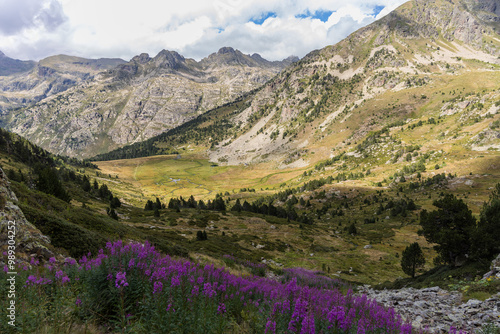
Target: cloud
x,y
17,15
33,29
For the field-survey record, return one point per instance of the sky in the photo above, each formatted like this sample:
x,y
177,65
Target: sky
x,y
35,29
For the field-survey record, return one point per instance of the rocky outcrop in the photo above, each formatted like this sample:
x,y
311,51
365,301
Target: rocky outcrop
x,y
32,82
438,310
137,100
29,241
494,269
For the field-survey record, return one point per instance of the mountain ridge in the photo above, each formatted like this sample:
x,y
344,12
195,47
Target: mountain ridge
x,y
314,104
137,99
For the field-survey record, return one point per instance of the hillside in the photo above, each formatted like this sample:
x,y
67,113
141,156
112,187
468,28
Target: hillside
x,y
320,178
10,66
135,100
22,86
410,66
259,247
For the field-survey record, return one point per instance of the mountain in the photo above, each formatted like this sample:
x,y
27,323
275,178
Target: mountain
x,y
136,100
426,60
10,66
21,86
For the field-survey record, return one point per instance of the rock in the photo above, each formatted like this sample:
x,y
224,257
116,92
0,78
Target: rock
x,y
437,309
29,239
473,303
368,247
494,268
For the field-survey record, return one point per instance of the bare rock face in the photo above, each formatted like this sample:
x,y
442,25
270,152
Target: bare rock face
x,y
23,83
29,241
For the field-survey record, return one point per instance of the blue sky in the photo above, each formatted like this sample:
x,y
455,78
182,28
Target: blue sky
x,y
34,29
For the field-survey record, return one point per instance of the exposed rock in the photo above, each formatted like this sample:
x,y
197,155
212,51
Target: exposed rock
x,y
132,101
437,309
494,268
29,241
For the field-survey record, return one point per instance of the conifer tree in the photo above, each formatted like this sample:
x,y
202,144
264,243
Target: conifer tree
x,y
412,258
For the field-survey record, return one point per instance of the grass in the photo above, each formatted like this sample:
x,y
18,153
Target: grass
x,y
170,176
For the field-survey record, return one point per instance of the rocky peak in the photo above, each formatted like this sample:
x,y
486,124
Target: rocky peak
x,y
2,54
227,56
226,50
143,58
169,59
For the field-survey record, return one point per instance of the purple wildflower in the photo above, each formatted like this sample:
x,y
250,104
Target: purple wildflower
x,y
271,327
121,280
221,309
157,287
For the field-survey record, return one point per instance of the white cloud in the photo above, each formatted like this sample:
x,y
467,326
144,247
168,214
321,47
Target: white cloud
x,y
33,29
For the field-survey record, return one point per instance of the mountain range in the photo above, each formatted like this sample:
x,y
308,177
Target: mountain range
x,y
427,59
81,107
291,112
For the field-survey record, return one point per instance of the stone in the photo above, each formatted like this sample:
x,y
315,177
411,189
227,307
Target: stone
x,y
29,239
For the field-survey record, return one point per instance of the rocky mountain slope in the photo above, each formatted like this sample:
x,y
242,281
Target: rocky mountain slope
x,y
428,62
390,71
23,83
10,66
29,239
138,99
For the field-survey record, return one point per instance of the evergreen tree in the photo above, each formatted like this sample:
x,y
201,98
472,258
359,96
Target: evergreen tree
x,y
486,241
112,213
157,204
450,227
86,184
48,182
115,203
412,258
201,236
149,206
352,229
104,192
237,206
201,205
191,203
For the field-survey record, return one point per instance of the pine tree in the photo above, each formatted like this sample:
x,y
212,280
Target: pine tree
x,y
86,184
412,258
352,229
451,227
157,204
112,213
237,206
149,206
